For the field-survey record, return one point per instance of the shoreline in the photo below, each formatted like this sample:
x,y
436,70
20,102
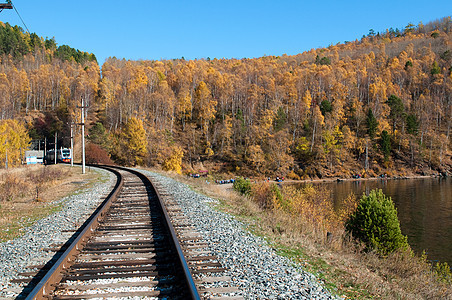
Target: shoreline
x,y
338,179
331,180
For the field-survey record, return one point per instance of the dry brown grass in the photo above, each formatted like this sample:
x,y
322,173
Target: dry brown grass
x,y
339,262
27,193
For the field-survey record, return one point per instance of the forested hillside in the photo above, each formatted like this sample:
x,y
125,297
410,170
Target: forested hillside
x,y
375,105
41,84
36,75
317,113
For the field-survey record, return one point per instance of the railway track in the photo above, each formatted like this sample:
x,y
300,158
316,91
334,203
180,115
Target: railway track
x,y
137,244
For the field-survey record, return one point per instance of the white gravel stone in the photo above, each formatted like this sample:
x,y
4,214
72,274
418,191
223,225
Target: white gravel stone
x,y
252,264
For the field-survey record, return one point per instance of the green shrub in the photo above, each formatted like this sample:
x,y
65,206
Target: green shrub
x,y
375,223
443,272
243,186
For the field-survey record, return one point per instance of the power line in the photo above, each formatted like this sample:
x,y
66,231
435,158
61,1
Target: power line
x,y
19,16
10,5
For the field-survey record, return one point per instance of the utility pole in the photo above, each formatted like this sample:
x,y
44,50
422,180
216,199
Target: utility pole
x,y
72,146
56,136
83,136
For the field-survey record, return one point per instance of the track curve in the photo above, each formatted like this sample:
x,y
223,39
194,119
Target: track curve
x,y
128,248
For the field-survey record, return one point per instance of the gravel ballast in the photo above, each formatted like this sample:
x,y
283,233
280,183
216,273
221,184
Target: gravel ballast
x,y
30,248
252,264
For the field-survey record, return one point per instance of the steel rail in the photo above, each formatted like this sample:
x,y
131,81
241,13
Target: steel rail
x,y
187,273
47,284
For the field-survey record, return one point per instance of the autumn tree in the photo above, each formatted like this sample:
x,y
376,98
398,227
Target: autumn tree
x,y
14,140
174,161
278,158
331,145
184,106
317,123
256,158
132,143
303,150
204,105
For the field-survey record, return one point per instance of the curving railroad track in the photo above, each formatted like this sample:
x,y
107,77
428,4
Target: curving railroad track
x,y
135,244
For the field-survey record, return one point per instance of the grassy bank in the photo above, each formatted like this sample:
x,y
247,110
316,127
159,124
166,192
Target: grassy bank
x,y
27,194
302,236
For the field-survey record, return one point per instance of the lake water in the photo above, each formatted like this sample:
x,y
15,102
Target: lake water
x,y
424,209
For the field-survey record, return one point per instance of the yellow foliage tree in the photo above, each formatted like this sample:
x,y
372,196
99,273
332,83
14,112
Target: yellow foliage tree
x,y
134,142
174,161
263,128
209,152
318,122
184,106
256,157
307,100
226,134
278,156
204,104
331,144
14,140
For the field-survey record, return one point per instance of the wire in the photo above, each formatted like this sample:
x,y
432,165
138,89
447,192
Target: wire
x,y
19,16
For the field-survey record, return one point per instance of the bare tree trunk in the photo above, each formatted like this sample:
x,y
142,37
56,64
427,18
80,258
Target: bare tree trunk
x,y
366,163
313,133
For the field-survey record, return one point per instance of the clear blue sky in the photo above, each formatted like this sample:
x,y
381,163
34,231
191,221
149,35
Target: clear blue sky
x,y
200,29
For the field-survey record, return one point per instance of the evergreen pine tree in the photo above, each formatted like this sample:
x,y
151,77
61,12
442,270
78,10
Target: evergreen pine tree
x,y
375,223
372,124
